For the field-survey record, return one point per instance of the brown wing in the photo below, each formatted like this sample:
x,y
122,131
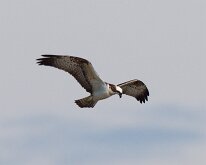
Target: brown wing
x,y
81,69
135,88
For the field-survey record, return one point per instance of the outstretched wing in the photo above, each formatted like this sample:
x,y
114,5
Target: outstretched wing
x,y
81,69
135,88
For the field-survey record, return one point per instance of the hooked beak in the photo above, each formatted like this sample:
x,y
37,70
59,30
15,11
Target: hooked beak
x,y
120,95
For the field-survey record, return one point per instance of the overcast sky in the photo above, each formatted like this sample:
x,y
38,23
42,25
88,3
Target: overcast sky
x,y
159,42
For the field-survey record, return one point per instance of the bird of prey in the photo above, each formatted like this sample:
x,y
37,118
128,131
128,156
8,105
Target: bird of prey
x,y
83,71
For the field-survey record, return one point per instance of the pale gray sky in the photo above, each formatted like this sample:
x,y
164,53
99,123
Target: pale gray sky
x,y
159,42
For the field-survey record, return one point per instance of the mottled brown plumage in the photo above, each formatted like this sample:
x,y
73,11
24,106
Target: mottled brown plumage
x,y
83,71
76,66
135,88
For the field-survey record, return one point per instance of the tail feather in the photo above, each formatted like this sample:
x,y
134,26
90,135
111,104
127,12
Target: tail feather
x,y
87,102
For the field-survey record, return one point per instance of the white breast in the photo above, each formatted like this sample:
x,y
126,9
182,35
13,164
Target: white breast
x,y
101,93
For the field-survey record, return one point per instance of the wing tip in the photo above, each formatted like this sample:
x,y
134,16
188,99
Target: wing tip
x,y
51,55
46,59
143,97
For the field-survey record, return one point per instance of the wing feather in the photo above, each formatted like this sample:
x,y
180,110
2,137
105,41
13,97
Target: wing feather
x,y
81,69
135,88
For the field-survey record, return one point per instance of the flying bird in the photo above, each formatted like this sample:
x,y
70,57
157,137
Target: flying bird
x,y
83,71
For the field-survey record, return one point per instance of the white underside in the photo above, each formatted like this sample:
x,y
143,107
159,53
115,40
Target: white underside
x,y
102,93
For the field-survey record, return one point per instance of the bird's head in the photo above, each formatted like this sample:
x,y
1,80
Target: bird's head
x,y
115,90
119,91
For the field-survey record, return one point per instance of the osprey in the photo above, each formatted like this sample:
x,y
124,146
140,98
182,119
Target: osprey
x,y
83,71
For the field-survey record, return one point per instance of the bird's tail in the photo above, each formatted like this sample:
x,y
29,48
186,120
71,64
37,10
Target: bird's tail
x,y
86,102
